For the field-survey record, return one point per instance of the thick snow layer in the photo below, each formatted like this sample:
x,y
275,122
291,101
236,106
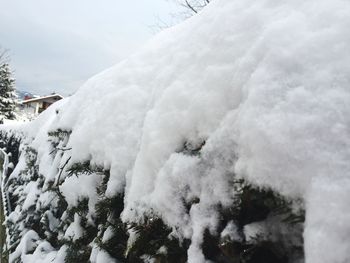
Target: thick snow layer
x,y
264,83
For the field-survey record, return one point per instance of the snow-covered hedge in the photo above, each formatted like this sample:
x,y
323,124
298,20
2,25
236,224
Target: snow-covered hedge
x,y
208,144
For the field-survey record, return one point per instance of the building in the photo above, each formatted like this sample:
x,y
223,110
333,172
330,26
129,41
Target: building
x,y
37,105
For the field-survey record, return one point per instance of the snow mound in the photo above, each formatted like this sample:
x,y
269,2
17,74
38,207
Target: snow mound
x,y
260,86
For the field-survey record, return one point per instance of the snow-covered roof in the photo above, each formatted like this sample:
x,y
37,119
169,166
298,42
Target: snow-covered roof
x,y
43,98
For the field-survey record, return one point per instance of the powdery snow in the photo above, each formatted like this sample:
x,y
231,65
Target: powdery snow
x,y
74,231
264,83
74,189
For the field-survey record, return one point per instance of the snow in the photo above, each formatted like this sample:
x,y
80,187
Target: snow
x,y
43,253
327,223
98,255
74,231
76,188
27,244
264,83
108,234
230,232
32,192
254,231
102,257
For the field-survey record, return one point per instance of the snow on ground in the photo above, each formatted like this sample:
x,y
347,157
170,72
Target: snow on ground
x,y
264,83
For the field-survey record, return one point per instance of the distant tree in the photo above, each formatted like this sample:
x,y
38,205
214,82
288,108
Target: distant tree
x,y
8,97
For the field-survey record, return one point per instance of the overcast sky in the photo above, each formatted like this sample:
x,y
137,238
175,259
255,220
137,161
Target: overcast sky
x,y
55,45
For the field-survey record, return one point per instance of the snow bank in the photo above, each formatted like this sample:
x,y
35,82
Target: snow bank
x,y
263,83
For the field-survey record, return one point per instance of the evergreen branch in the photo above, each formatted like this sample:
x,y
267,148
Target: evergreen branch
x,y
61,170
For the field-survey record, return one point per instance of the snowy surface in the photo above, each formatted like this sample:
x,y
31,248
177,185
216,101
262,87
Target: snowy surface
x,y
264,83
74,189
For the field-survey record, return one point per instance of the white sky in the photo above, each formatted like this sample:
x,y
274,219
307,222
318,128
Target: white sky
x,y
55,45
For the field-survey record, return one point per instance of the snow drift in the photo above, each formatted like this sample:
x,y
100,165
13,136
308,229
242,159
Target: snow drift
x,y
261,87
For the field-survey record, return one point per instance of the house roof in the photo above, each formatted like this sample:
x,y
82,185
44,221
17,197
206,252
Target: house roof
x,y
43,98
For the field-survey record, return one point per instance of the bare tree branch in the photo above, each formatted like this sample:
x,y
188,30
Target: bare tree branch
x,y
193,6
190,6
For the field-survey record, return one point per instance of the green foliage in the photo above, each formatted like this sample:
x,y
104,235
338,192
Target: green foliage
x,y
117,244
7,92
104,228
77,252
108,210
83,168
269,252
80,250
82,209
255,205
107,216
10,142
154,239
29,217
